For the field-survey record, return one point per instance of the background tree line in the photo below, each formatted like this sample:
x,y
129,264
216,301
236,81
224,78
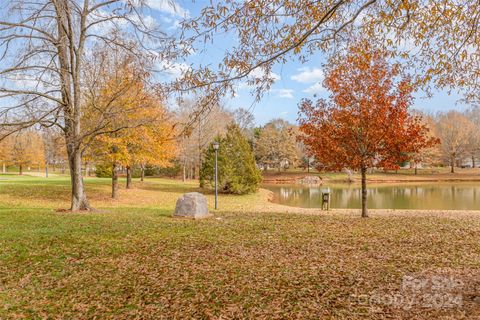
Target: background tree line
x,y
51,58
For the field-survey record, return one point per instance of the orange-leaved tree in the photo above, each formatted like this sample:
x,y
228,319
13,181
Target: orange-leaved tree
x,y
26,150
366,122
139,130
5,148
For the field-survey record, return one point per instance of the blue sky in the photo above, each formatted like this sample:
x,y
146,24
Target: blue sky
x,y
294,80
297,81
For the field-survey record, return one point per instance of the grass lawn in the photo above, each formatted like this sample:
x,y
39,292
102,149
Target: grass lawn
x,y
132,260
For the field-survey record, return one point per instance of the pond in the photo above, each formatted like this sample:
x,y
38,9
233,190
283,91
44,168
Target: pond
x,y
426,196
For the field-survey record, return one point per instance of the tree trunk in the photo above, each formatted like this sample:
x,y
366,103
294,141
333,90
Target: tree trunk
x,y
70,71
184,176
129,177
364,193
142,175
452,165
20,170
46,169
87,169
416,171
4,169
79,196
114,181
473,161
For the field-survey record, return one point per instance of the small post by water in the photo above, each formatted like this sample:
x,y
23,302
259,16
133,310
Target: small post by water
x,y
325,200
216,146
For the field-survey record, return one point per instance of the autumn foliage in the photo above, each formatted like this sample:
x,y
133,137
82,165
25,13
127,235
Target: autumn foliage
x,y
366,122
140,131
23,149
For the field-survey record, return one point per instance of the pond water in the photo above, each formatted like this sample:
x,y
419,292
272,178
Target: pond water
x,y
441,195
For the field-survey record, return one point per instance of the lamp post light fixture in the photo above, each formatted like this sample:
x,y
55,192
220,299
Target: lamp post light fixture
x,y
216,146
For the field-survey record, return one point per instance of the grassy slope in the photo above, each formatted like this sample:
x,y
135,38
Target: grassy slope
x,y
132,260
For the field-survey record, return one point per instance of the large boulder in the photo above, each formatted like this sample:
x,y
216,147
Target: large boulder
x,y
192,205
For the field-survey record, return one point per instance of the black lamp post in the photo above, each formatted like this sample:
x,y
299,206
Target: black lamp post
x,y
216,145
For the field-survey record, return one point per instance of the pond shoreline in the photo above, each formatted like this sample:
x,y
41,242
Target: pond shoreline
x,y
382,195
272,207
327,181
386,178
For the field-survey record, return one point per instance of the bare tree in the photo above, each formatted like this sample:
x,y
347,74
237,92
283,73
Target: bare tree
x,y
199,134
474,140
43,48
54,148
244,119
454,131
277,145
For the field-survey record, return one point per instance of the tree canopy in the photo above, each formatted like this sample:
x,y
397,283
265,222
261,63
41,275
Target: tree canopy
x,y
48,49
366,122
438,38
276,144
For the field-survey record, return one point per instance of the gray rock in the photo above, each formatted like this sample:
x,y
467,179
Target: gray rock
x,y
192,205
310,180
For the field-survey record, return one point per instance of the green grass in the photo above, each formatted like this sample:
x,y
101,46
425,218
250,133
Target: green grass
x,y
132,260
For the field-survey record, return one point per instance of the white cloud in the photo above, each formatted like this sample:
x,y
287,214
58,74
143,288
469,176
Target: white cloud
x,y
260,73
316,88
172,22
170,7
308,75
173,69
147,21
283,93
313,76
28,81
106,26
255,74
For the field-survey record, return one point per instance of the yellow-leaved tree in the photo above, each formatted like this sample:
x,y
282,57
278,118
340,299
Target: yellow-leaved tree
x,y
152,144
139,131
5,147
26,149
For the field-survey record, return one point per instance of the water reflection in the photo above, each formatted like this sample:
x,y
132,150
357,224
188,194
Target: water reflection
x,y
461,195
